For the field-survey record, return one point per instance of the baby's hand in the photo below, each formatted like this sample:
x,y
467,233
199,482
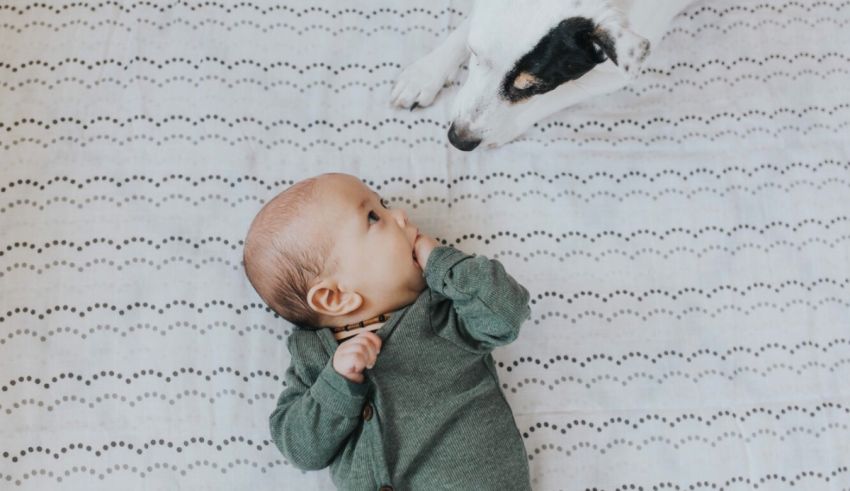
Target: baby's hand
x,y
357,354
422,248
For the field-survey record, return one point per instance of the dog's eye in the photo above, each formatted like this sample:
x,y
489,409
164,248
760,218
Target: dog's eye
x,y
373,216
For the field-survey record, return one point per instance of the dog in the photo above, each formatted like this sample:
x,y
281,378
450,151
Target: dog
x,y
529,59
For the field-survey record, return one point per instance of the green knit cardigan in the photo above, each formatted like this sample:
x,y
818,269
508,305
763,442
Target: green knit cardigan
x,y
430,413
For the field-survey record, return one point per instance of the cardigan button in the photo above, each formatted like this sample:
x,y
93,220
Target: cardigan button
x,y
367,415
385,488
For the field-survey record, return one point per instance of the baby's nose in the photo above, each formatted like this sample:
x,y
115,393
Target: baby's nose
x,y
400,216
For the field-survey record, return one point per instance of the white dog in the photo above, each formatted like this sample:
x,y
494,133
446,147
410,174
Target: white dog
x,y
531,58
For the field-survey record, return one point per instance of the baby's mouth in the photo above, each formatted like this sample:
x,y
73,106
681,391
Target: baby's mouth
x,y
413,253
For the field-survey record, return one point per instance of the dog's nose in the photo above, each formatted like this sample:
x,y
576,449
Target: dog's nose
x,y
462,139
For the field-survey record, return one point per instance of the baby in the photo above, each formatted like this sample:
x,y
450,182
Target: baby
x,y
391,381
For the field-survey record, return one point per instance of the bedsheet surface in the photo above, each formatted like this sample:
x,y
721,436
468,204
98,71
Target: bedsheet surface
x,y
686,240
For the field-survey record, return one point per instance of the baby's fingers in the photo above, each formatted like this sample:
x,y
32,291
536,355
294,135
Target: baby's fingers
x,y
356,354
369,342
422,248
373,339
351,363
367,353
351,351
359,361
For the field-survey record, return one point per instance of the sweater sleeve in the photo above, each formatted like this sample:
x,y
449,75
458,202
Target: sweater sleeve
x,y
319,408
487,306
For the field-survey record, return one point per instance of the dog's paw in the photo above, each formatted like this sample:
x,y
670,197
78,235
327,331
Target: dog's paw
x,y
632,50
419,84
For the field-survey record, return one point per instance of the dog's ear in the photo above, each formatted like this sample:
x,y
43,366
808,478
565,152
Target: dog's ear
x,y
624,47
566,52
603,43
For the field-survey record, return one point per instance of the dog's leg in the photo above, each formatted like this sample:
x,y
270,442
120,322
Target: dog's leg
x,y
419,84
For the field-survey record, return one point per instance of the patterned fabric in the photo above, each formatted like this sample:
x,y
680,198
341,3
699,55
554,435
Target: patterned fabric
x,y
686,240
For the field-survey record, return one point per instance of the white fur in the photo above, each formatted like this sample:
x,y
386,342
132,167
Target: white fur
x,y
498,36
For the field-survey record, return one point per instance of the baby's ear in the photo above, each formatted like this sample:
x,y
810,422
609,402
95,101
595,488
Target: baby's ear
x,y
328,299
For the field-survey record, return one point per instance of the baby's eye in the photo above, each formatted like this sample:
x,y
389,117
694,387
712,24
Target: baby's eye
x,y
373,216
384,203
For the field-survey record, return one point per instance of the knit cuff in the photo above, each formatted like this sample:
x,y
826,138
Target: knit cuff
x,y
441,260
336,392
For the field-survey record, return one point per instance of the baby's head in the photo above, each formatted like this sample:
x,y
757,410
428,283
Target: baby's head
x,y
327,251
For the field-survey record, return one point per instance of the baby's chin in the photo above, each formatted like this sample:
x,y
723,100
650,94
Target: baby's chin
x,y
406,295
416,286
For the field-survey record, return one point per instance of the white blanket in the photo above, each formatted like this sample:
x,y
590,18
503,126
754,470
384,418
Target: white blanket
x,y
686,240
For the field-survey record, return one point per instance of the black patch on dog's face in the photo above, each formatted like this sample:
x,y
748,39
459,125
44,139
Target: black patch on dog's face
x,y
568,51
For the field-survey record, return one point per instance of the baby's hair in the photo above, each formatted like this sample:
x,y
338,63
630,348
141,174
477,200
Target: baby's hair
x,y
281,264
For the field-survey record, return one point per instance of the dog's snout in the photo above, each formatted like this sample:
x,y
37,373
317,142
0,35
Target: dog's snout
x,y
462,138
